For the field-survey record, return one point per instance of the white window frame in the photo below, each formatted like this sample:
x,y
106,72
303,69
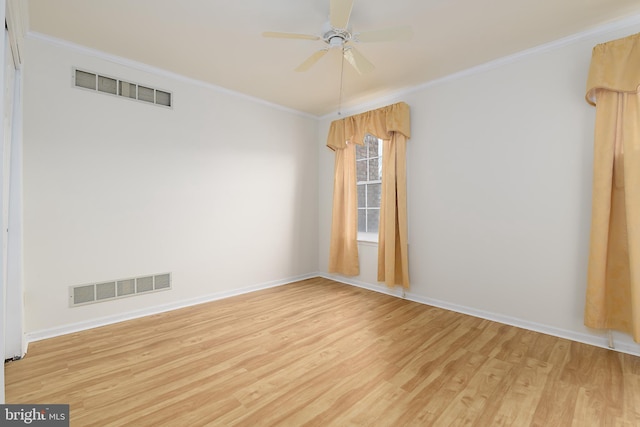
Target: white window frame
x,y
369,236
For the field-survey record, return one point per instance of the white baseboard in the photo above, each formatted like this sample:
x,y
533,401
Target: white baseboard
x,y
108,320
623,343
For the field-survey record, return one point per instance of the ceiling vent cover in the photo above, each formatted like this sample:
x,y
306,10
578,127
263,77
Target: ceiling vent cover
x,y
105,291
113,86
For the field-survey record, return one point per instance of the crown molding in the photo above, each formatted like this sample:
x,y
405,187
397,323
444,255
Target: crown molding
x,y
602,30
630,23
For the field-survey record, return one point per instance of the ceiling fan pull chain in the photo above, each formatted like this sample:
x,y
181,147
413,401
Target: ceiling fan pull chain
x,y
341,84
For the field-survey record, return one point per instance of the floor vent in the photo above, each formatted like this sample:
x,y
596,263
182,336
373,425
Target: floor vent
x,y
114,86
114,289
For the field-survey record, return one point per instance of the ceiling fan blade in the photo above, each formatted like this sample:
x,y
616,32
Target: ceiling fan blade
x,y
310,61
357,60
386,35
339,12
289,35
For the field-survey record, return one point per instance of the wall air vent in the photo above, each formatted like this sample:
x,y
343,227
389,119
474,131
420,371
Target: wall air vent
x,y
114,289
114,86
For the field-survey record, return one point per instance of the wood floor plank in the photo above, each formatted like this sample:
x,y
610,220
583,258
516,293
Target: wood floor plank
x,y
469,404
631,412
321,353
349,393
558,397
429,400
519,404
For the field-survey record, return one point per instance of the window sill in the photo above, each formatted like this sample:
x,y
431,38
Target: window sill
x,y
368,238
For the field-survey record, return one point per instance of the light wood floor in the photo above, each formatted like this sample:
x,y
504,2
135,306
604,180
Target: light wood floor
x,y
322,353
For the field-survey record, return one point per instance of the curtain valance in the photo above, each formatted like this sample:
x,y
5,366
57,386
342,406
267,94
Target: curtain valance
x,y
613,277
614,67
381,123
391,124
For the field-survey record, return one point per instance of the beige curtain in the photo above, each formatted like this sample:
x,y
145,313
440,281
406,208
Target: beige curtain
x,y
343,249
393,266
613,286
392,124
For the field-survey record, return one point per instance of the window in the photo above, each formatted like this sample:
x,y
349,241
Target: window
x,y
369,185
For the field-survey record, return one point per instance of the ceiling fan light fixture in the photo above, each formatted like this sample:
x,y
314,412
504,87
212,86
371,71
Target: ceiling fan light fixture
x,y
335,37
335,41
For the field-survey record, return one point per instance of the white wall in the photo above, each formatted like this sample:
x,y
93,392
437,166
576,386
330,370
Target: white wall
x,y
220,190
228,193
499,190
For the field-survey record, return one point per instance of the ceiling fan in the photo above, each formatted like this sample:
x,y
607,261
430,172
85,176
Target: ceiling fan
x,y
337,34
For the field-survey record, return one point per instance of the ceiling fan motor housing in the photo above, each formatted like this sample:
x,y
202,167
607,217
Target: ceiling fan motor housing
x,y
335,37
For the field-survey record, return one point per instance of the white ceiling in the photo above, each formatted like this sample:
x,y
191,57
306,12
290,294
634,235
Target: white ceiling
x,y
220,41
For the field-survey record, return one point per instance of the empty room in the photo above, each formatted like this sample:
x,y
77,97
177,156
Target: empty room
x,y
320,212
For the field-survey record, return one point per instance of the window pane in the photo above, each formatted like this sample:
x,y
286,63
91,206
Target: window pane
x,y
362,192
369,170
373,217
362,220
361,170
374,146
373,195
375,170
